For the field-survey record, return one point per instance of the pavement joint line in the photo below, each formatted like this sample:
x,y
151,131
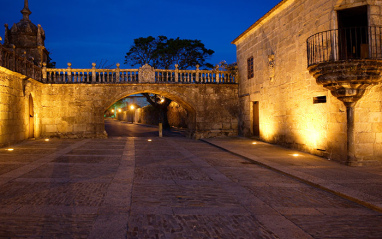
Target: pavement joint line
x,y
241,194
7,177
120,220
377,208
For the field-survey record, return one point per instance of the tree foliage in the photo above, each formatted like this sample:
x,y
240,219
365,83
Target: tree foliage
x,y
163,52
160,103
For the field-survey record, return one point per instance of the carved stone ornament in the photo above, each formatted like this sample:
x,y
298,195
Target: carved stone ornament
x,y
146,74
271,67
27,85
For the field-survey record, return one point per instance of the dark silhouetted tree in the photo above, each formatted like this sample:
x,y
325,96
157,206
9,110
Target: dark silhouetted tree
x,y
162,52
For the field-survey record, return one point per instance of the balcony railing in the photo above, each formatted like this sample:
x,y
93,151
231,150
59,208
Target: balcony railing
x,y
20,64
354,43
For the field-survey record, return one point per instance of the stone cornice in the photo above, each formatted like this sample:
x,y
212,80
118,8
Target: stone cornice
x,y
275,10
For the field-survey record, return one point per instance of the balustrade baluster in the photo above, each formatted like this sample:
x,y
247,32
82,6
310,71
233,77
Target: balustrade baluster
x,y
123,76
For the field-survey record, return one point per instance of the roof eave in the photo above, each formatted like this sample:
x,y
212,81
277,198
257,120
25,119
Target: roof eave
x,y
258,22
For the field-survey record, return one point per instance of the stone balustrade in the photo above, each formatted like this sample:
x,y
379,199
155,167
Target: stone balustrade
x,y
20,64
145,74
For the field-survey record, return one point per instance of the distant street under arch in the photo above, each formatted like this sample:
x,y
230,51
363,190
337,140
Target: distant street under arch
x,y
115,128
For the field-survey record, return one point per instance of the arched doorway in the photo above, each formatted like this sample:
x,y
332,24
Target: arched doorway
x,y
31,117
122,114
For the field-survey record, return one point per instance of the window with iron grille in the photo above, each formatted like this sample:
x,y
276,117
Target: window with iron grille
x,y
250,67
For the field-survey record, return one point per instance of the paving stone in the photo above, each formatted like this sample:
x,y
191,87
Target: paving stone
x,y
168,188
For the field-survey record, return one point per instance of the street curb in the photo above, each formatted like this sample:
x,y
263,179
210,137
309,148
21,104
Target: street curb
x,y
319,186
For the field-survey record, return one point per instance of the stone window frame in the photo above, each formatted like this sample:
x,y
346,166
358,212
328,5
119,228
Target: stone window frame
x,y
250,67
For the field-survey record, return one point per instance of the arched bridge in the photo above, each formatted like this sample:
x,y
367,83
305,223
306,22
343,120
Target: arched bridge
x,y
71,102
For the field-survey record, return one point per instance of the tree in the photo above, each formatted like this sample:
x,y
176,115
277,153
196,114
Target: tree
x,y
162,52
144,51
162,104
50,63
103,64
224,66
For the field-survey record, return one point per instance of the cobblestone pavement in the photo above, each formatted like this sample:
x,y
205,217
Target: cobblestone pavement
x,y
164,188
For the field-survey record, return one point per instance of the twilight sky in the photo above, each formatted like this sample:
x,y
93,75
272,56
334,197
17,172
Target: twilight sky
x,y
85,31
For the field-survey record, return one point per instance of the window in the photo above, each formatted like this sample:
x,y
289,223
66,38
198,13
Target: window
x,y
250,67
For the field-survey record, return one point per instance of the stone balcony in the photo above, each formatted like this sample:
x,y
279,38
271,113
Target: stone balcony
x,y
347,62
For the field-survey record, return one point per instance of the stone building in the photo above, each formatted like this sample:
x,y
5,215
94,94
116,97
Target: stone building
x,y
38,102
26,37
309,78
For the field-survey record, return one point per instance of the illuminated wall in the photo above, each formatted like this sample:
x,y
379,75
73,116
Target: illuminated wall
x,y
286,91
14,107
77,110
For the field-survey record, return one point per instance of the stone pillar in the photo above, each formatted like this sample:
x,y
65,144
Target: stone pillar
x,y
14,57
44,73
117,72
197,74
176,73
351,159
348,82
25,63
70,72
94,73
217,74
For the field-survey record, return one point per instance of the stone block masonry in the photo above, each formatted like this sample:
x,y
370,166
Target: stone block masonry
x,y
285,91
15,94
77,110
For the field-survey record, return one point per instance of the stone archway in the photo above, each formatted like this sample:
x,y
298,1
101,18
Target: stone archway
x,y
191,118
77,110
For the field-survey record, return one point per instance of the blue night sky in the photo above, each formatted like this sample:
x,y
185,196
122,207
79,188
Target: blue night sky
x,y
85,31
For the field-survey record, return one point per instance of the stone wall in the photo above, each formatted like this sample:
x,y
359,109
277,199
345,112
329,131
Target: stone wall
x,y
285,90
15,93
177,115
77,110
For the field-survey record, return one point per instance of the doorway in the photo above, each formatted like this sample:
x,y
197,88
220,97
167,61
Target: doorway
x,y
353,33
31,118
255,115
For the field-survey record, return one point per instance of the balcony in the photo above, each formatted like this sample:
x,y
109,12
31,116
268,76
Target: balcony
x,y
347,62
357,43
